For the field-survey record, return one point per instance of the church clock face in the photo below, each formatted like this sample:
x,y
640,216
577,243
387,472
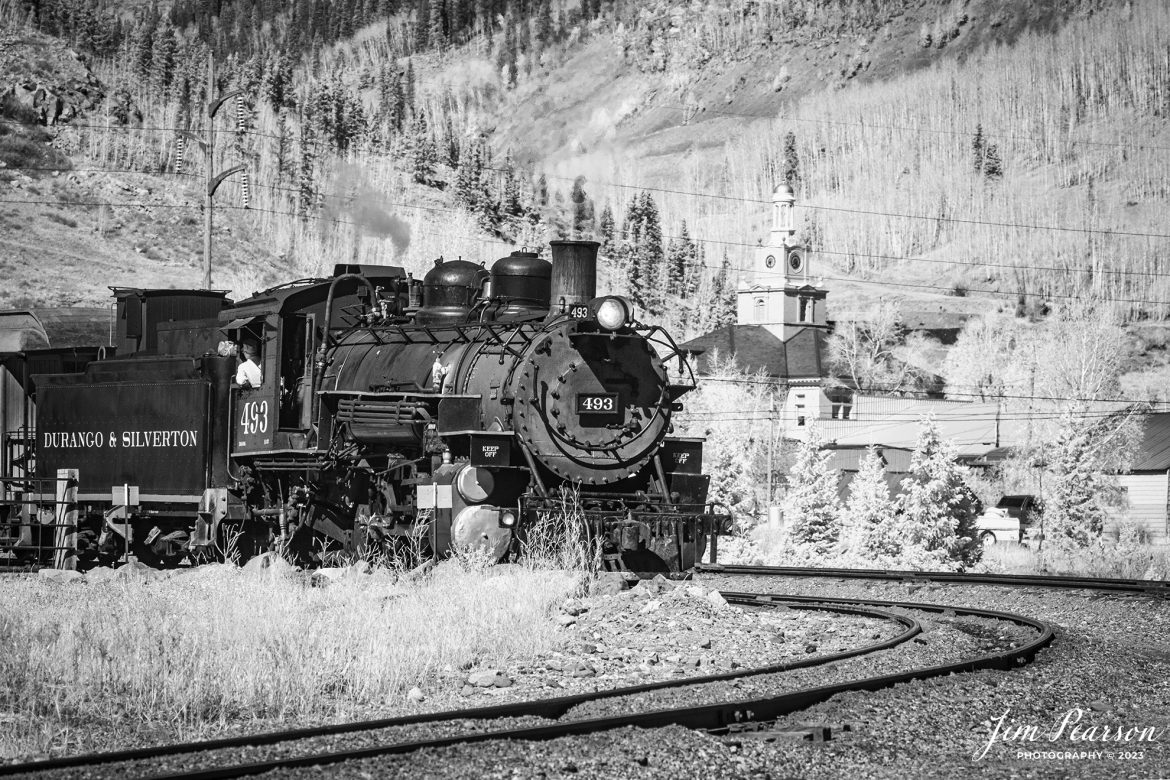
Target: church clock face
x,y
770,261
795,262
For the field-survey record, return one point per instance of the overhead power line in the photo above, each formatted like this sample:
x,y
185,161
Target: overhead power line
x,y
918,129
741,199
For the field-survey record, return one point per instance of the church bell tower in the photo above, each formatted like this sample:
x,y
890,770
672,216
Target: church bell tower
x,y
778,292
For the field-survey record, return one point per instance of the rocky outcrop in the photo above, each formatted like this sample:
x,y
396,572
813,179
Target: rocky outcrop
x,y
55,103
42,78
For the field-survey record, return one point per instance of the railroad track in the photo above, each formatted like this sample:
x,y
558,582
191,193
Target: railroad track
x,y
546,719
1144,587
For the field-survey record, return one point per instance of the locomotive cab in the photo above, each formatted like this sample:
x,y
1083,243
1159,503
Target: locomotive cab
x,y
287,326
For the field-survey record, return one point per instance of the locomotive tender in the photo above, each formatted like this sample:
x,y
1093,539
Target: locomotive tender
x,y
392,415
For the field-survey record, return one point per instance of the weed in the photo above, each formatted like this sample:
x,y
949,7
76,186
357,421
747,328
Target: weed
x,y
208,648
561,538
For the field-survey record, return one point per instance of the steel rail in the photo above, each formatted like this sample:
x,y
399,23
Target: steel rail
x,y
713,718
551,708
1154,587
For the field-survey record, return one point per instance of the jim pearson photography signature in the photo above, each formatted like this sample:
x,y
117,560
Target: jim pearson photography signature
x,y
1070,729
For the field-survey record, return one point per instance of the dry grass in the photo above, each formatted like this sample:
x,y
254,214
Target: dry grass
x,y
1107,558
201,651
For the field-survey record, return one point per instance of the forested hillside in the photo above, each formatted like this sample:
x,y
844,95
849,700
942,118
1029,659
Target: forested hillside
x,y
943,152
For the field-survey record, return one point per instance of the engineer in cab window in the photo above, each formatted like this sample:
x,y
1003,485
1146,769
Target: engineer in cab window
x,y
248,374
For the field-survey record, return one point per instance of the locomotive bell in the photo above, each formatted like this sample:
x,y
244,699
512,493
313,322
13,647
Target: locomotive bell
x,y
574,272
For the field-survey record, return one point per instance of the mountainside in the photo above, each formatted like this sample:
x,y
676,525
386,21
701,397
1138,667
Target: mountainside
x,y
958,155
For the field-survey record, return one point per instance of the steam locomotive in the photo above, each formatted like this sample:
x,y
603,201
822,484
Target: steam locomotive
x,y
459,411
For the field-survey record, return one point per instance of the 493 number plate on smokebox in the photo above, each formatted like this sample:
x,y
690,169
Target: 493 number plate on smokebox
x,y
597,403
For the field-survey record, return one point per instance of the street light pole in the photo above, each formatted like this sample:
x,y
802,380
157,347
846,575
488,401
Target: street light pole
x,y
212,180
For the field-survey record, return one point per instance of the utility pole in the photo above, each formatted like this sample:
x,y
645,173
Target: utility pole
x,y
771,444
212,179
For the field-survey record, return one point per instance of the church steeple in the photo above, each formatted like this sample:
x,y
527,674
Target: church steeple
x,y
777,292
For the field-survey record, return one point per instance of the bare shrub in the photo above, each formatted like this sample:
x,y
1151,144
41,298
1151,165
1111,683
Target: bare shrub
x,y
561,538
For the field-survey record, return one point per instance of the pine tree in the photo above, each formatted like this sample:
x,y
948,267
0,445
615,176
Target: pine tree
x,y
992,165
408,87
162,59
511,204
791,161
695,260
143,48
649,259
1075,493
977,149
544,24
306,180
605,232
628,250
680,253
283,146
277,83
812,509
582,206
871,511
541,193
423,155
436,25
938,508
721,311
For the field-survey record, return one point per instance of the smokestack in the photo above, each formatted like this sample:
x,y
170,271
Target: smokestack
x,y
574,273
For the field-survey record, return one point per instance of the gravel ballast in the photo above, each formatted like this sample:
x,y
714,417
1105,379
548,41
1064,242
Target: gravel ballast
x,y
1110,661
930,728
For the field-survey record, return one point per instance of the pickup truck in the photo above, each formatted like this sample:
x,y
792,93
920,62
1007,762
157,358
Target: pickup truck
x,y
1010,520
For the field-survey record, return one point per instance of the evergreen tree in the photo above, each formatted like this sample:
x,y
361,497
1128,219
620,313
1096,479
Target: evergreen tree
x,y
977,149
506,53
791,161
695,260
992,165
605,232
277,83
143,48
436,25
483,18
1077,491
938,509
423,155
812,509
511,204
467,177
582,206
306,179
408,87
649,259
871,511
544,24
680,254
542,191
722,309
283,146
628,250
162,59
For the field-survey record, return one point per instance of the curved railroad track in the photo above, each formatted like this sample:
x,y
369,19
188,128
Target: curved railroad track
x,y
1144,587
569,715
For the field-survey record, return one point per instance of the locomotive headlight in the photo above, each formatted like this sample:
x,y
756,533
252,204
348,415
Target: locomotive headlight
x,y
612,314
507,518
